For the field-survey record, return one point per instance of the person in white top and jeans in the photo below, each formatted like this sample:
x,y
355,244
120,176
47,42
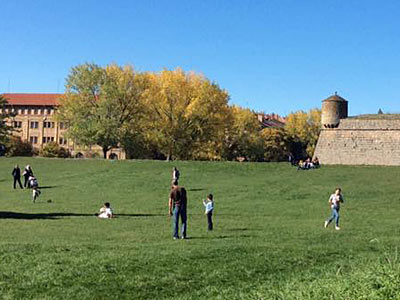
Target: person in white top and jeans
x,y
334,201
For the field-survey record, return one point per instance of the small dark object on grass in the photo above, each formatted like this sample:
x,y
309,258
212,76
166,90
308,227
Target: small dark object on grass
x,y
49,201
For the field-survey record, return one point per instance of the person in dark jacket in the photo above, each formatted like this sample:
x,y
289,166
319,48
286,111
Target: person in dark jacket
x,y
16,173
27,173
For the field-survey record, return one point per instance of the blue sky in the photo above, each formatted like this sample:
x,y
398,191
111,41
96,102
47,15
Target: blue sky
x,y
273,56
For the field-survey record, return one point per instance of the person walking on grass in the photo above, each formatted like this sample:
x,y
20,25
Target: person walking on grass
x,y
16,173
177,207
35,193
175,176
334,201
209,207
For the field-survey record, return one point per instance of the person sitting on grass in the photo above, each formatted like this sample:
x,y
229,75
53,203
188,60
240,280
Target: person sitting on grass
x,y
209,206
334,201
105,212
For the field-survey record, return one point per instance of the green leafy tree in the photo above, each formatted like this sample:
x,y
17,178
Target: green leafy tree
x,y
5,129
100,104
17,147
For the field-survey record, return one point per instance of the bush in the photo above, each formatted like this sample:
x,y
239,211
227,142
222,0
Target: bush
x,y
52,149
92,154
17,147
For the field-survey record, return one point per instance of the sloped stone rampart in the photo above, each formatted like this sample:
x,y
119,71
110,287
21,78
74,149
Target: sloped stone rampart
x,y
360,142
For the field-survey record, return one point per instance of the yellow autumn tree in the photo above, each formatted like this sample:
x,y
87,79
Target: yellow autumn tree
x,y
243,139
186,115
303,128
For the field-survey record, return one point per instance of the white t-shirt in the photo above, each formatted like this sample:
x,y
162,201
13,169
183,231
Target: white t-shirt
x,y
105,213
335,200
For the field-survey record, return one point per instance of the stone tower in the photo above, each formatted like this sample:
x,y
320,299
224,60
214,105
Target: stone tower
x,y
334,108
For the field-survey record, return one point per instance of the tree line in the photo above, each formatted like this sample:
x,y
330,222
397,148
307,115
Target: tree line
x,y
173,114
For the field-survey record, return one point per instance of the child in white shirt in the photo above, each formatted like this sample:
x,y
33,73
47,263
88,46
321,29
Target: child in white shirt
x,y
209,208
106,211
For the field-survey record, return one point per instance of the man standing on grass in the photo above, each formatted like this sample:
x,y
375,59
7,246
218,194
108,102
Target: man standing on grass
x,y
16,173
177,207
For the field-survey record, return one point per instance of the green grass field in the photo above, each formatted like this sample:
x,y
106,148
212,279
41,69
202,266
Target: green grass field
x,y
268,243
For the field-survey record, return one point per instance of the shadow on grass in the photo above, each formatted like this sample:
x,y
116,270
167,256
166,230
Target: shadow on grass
x,y
41,216
55,216
195,190
47,187
139,215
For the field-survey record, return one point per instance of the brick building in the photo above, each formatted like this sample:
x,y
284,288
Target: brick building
x,y
35,122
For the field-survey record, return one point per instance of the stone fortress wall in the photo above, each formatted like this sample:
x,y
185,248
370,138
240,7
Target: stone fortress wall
x,y
363,140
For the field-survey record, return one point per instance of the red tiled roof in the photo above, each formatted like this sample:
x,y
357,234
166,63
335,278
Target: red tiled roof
x,y
32,99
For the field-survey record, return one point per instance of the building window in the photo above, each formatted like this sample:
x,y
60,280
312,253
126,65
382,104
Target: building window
x,y
62,141
47,139
34,124
17,124
33,139
48,124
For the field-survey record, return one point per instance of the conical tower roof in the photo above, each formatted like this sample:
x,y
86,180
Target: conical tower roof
x,y
335,97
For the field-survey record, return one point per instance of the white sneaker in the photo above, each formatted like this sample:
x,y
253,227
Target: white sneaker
x,y
337,227
326,224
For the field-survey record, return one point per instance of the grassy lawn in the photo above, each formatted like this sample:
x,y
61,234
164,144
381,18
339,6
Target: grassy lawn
x,y
268,243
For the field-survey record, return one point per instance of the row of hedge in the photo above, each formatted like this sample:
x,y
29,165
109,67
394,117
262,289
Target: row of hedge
x,y
17,147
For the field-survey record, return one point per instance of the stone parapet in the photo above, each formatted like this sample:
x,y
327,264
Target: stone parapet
x,y
360,124
360,142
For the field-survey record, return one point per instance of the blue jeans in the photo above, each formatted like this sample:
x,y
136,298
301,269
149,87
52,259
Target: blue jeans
x,y
335,215
179,211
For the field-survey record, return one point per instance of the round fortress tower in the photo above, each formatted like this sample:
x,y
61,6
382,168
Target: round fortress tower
x,y
333,109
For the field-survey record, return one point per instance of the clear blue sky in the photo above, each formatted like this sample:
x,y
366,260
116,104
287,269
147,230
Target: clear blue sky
x,y
270,55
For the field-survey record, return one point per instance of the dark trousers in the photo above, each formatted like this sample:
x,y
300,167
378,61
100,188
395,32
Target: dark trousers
x,y
26,181
179,212
209,220
17,179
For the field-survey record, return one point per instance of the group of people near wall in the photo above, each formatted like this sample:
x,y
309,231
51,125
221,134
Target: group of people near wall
x,y
304,164
308,164
30,181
